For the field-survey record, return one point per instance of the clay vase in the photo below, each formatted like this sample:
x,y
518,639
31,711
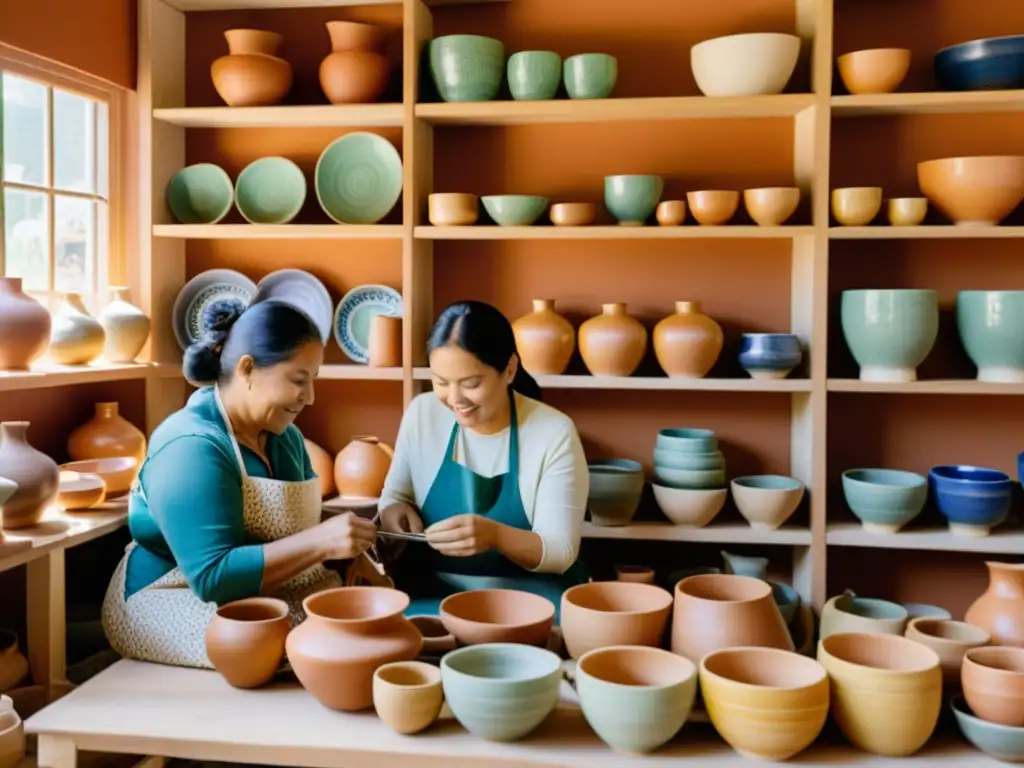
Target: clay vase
x,y
612,343
35,473
24,326
251,75
76,337
107,435
715,611
544,340
126,326
323,465
1000,610
688,343
355,72
13,664
245,640
347,634
12,734
362,466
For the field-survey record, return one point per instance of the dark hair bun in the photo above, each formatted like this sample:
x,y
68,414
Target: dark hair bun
x,y
220,315
202,359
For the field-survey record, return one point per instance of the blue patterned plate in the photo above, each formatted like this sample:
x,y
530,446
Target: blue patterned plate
x,y
354,313
199,292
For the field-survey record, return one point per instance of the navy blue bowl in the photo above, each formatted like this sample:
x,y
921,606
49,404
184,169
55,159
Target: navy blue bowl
x,y
995,63
972,499
769,355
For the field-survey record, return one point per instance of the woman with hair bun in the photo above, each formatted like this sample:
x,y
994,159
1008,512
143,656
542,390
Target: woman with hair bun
x,y
226,505
496,479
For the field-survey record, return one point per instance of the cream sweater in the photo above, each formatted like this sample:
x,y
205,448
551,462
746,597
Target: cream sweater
x,y
553,477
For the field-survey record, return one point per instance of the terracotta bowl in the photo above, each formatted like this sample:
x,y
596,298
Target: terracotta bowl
x,y
767,501
79,490
671,213
436,639
886,691
878,70
856,206
117,474
573,214
639,574
993,681
407,695
498,616
973,191
453,209
765,702
950,639
245,640
771,206
907,211
690,507
713,207
604,613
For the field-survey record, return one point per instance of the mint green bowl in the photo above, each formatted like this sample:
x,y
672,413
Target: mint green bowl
x,y
514,210
884,500
466,67
270,190
200,194
590,75
631,199
534,75
358,178
991,326
890,332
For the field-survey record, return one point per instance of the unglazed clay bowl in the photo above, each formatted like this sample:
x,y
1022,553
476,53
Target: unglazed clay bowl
x,y
689,507
245,640
755,64
877,70
78,490
1000,742
671,213
436,639
514,210
631,199
890,332
498,616
886,691
407,695
856,206
573,214
848,613
605,613
665,457
713,207
949,639
590,75
635,574
467,67
991,327
993,681
117,473
636,699
686,440
884,500
973,499
501,691
771,206
452,209
907,211
995,63
973,191
767,356
765,702
767,501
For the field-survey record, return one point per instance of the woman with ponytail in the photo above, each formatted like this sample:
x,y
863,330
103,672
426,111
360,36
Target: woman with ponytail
x,y
496,479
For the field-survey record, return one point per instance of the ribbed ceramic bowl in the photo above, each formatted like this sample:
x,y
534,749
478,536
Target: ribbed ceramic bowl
x,y
666,457
884,500
991,327
514,210
467,67
767,501
972,499
890,332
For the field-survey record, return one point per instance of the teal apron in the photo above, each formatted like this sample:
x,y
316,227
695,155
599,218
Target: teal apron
x,y
429,576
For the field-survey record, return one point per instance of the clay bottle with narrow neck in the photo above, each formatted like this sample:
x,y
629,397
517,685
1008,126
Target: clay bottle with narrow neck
x,y
107,435
35,473
126,326
545,340
76,337
688,343
1000,609
24,326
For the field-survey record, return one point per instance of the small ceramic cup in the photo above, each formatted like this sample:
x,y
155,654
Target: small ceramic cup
x,y
639,574
573,214
856,206
713,207
907,211
771,206
671,213
452,209
590,75
407,695
534,75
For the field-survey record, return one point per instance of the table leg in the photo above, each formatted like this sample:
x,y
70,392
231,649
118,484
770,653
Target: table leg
x,y
47,641
55,751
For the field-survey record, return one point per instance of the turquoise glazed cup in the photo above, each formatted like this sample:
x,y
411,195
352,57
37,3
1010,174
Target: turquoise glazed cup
x,y
590,75
634,697
501,691
631,199
884,500
890,332
467,67
514,210
991,326
534,75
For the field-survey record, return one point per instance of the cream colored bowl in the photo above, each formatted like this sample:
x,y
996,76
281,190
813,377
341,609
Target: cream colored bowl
x,y
754,64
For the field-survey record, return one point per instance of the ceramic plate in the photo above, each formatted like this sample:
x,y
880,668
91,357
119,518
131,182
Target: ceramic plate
x,y
301,291
354,313
358,178
199,292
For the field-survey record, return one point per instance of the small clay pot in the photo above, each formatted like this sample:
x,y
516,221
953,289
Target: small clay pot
x,y
907,211
407,695
498,616
637,574
107,435
993,681
453,209
573,214
671,213
361,467
612,343
771,206
608,613
856,206
355,72
245,640
251,75
713,207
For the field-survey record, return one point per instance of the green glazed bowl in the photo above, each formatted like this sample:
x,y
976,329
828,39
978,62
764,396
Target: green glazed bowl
x,y
358,178
200,194
666,457
534,75
467,67
631,199
991,326
514,210
686,440
270,190
890,332
590,75
689,478
884,500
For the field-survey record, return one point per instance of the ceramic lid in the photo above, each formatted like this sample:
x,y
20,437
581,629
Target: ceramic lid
x,y
302,292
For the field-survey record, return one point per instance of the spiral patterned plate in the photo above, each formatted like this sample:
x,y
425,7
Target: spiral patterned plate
x,y
199,292
270,190
358,178
354,313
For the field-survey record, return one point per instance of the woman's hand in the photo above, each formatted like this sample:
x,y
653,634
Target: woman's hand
x,y
463,535
346,536
400,518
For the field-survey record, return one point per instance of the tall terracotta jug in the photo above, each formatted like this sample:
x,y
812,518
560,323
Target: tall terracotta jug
x,y
251,75
107,435
613,343
544,339
24,326
35,473
362,466
688,343
1000,609
126,326
355,72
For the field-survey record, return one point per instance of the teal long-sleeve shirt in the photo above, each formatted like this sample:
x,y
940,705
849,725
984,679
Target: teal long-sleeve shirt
x,y
190,512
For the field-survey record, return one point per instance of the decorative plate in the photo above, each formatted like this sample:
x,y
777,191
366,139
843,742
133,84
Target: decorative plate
x,y
354,313
358,178
301,291
199,292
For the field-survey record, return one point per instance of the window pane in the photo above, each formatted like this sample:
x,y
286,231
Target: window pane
x,y
24,119
74,235
73,142
27,238
102,159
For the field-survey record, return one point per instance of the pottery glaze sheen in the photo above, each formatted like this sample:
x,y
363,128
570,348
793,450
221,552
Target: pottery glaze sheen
x,y
107,435
688,343
361,467
612,343
1000,610
24,326
545,340
35,473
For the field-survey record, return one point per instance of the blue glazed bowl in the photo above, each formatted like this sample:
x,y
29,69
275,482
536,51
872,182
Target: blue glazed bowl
x,y
994,63
770,355
973,499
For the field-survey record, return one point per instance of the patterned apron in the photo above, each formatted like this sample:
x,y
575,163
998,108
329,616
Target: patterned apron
x,y
166,622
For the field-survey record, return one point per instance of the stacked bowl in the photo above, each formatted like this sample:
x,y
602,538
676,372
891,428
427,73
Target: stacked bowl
x,y
990,712
973,499
689,475
615,488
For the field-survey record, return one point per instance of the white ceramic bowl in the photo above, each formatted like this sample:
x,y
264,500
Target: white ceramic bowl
x,y
754,64
690,507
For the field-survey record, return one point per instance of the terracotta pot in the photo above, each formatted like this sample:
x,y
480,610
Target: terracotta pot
x,y
606,613
639,574
13,664
949,639
612,343
126,327
407,695
107,435
993,681
498,616
715,611
1000,610
245,640
355,72
251,75
544,339
385,341
323,465
688,343
12,734
35,473
24,326
76,337
348,633
362,466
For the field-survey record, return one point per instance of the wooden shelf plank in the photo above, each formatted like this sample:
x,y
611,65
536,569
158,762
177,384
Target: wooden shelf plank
x,y
939,103
61,530
263,5
319,116
732,533
498,113
278,231
66,375
947,232
354,372
587,381
1002,540
939,387
544,232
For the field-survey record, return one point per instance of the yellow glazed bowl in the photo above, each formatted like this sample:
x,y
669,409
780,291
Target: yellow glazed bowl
x,y
886,691
765,702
